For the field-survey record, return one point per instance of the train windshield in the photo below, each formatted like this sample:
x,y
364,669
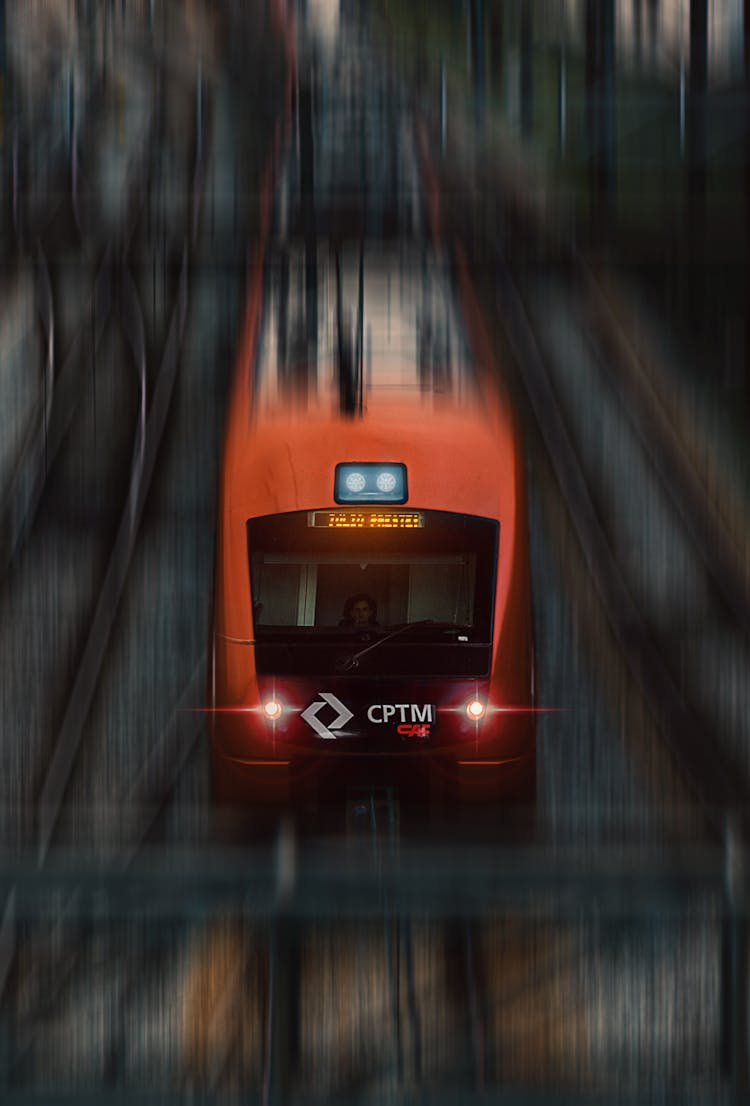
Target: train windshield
x,y
327,585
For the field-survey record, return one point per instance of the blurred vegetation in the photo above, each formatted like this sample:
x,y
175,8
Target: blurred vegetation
x,y
482,68
681,234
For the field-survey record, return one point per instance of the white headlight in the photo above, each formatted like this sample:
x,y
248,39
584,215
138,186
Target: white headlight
x,y
355,482
386,481
475,710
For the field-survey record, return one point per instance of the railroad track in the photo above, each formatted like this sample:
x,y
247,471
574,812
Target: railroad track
x,y
124,324
557,323
153,348
71,324
319,971
333,1009
701,778
698,746
114,308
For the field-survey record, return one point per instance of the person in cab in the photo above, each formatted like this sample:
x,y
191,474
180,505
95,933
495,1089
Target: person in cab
x,y
360,612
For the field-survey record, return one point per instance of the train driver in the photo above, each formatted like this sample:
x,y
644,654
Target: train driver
x,y
360,611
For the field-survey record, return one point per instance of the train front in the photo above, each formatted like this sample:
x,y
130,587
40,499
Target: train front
x,y
373,632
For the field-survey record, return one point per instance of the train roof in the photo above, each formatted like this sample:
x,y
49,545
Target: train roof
x,y
421,398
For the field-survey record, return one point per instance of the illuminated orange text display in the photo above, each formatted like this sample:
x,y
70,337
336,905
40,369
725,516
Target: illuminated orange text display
x,y
367,520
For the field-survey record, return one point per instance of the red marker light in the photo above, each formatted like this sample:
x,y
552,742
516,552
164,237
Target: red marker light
x,y
475,710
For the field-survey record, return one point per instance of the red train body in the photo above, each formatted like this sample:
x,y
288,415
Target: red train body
x,y
313,514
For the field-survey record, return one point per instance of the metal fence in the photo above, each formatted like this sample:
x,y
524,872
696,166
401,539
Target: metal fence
x,y
288,885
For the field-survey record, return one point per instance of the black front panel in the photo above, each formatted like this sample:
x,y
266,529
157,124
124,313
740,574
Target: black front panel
x,y
381,599
323,659
360,715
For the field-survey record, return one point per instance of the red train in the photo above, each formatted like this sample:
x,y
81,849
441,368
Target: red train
x,y
372,606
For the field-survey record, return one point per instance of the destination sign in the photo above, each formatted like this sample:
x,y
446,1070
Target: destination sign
x,y
366,520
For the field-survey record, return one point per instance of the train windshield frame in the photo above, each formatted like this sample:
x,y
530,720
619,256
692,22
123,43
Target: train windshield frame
x,y
429,575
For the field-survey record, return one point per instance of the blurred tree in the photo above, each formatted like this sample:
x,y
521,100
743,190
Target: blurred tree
x,y
527,70
696,123
746,58
601,111
495,32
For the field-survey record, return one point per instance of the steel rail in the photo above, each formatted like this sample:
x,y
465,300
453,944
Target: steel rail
x,y
21,502
173,738
22,497
33,449
144,819
713,779
82,692
145,448
151,430
23,506
146,443
18,510
174,748
667,451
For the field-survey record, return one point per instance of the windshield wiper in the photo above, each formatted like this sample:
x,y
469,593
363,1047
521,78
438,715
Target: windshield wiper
x,y
346,664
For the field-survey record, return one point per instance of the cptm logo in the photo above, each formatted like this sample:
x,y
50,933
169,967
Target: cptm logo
x,y
414,718
343,715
